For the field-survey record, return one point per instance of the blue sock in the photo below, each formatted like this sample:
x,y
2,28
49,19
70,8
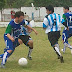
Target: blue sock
x,y
5,56
1,56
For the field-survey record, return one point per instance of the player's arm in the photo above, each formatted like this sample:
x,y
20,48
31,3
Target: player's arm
x,y
28,23
63,21
31,29
64,17
28,27
8,32
45,23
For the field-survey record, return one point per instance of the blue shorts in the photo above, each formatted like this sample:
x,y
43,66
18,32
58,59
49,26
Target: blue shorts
x,y
66,34
9,44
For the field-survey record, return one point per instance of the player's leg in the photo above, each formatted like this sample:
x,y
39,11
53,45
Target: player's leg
x,y
30,43
5,50
1,56
58,53
65,41
65,38
20,41
10,49
4,58
53,38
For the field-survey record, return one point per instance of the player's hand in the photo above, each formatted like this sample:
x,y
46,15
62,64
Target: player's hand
x,y
35,32
12,39
20,41
67,28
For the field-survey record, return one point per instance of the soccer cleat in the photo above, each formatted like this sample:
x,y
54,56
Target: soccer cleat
x,y
29,57
58,57
61,59
2,66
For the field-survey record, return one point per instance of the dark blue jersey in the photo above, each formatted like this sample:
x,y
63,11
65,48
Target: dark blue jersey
x,y
14,29
68,18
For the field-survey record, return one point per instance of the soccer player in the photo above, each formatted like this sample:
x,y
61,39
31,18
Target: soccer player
x,y
67,33
51,25
11,36
26,39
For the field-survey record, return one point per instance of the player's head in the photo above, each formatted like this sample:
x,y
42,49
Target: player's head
x,y
65,9
19,16
49,9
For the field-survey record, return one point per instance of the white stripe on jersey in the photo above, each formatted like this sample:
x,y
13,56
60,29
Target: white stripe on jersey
x,y
24,31
49,22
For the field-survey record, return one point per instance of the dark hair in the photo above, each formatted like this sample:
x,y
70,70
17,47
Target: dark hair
x,y
28,21
50,8
66,7
18,14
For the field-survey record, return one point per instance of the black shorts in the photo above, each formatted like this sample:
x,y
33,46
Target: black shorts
x,y
54,37
25,39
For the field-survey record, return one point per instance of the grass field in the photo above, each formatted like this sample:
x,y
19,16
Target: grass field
x,y
44,57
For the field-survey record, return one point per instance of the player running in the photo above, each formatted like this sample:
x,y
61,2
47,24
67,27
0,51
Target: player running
x,y
51,24
11,36
26,39
67,33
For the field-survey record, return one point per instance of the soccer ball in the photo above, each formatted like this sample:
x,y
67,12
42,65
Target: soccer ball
x,y
22,61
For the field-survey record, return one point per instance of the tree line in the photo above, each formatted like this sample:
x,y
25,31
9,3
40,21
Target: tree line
x,y
37,3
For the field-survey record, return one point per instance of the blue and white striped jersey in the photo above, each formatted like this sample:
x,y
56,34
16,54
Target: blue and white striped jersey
x,y
24,31
52,22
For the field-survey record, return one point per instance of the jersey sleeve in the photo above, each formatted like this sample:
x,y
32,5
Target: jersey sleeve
x,y
8,29
64,17
26,23
45,23
63,21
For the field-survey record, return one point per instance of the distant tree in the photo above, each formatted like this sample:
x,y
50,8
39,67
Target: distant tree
x,y
37,3
9,3
18,3
2,4
56,3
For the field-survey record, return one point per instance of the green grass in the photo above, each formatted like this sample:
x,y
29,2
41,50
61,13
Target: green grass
x,y
44,57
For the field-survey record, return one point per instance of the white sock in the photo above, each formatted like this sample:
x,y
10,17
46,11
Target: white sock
x,y
30,51
57,46
65,45
69,46
57,50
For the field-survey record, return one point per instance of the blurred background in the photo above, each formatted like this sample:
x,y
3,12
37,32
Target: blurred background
x,y
33,9
8,7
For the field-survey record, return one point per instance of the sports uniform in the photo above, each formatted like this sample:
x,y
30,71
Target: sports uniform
x,y
25,37
52,25
67,33
13,29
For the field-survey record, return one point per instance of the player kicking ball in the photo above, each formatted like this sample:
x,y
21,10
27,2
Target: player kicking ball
x,y
11,36
51,25
67,33
26,39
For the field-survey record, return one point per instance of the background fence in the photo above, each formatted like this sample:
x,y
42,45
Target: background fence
x,y
39,13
